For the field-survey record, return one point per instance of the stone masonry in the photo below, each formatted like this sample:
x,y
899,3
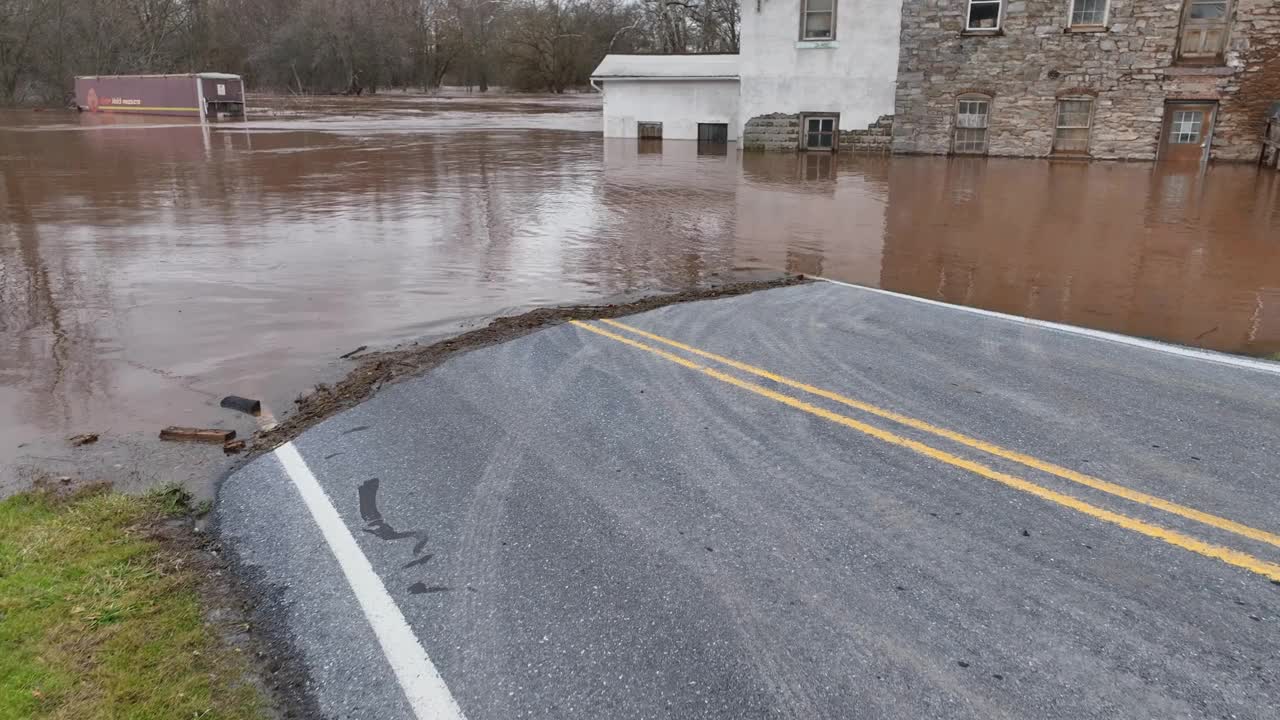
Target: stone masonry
x,y
781,132
1128,68
878,138
773,132
1254,48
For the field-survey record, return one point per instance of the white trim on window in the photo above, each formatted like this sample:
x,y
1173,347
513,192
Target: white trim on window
x,y
1186,127
985,23
1073,127
1085,13
972,124
812,21
820,131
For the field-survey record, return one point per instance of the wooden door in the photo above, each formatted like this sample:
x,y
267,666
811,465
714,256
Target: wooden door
x,y
713,133
649,130
713,139
1188,128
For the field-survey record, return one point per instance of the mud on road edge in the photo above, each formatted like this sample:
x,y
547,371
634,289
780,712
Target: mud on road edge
x,y
381,368
231,599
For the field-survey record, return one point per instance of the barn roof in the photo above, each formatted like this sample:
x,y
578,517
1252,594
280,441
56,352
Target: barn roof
x,y
666,67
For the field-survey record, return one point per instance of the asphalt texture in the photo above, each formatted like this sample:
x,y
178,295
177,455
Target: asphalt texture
x,y
577,528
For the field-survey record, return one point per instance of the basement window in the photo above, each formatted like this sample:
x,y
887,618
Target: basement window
x,y
819,132
972,117
716,133
818,20
984,15
649,130
1071,135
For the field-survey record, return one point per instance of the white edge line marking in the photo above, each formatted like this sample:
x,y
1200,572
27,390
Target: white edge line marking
x,y
1207,355
423,687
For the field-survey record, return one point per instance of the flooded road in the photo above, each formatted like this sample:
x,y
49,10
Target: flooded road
x,y
149,268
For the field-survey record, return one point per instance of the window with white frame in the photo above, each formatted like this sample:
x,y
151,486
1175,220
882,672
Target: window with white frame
x,y
818,19
984,15
1075,116
1088,13
972,118
1186,127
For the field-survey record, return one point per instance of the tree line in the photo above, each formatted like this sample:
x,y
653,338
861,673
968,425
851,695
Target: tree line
x,y
326,46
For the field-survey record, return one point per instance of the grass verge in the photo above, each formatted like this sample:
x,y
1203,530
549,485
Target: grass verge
x,y
101,615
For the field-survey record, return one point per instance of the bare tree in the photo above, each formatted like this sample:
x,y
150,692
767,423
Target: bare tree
x,y
22,23
322,45
676,26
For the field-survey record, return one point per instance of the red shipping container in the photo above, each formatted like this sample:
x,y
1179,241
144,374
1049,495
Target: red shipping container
x,y
208,96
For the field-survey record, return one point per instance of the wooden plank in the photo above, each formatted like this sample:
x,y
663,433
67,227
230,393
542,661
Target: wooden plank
x,y
198,434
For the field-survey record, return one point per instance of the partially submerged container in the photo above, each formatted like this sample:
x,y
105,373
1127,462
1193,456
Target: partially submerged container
x,y
207,96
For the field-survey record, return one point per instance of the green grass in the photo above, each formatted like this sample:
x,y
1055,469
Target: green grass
x,y
99,620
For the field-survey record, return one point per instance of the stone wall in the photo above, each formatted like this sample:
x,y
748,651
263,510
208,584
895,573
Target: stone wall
x,y
779,132
878,138
773,132
1255,49
1034,60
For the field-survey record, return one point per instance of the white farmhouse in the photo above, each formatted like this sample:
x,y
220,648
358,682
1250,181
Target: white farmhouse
x,y
812,74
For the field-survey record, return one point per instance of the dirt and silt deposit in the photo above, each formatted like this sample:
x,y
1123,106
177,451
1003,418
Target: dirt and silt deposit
x,y
148,267
380,368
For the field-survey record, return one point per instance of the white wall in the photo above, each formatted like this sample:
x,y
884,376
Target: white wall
x,y
678,104
855,75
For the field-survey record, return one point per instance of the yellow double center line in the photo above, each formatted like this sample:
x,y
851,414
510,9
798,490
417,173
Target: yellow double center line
x,y
1233,557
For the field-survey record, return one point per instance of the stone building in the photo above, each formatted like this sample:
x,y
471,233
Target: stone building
x,y
1133,79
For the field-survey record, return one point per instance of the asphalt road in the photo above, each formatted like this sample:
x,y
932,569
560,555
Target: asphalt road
x,y
925,513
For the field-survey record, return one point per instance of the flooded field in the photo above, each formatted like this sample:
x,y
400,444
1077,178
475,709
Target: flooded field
x,y
147,268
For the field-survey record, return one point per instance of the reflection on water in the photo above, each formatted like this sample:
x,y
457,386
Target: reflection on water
x,y
1135,249
147,268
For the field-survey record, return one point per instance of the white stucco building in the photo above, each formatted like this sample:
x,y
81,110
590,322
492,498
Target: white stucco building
x,y
678,91
812,74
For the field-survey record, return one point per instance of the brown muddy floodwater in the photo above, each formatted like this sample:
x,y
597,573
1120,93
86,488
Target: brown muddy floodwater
x,y
147,267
